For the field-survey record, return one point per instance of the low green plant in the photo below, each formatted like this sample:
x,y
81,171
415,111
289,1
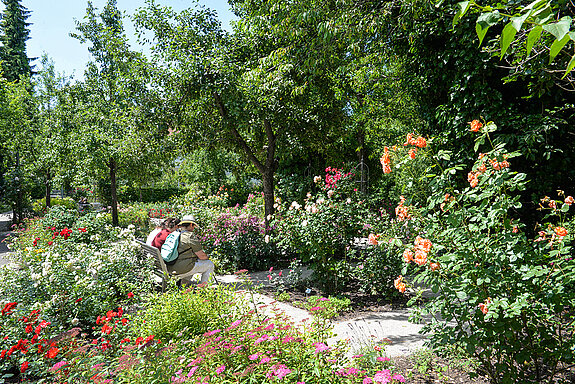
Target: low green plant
x,y
327,308
180,314
282,296
67,202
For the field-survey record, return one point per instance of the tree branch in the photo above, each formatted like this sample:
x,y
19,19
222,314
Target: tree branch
x,y
236,135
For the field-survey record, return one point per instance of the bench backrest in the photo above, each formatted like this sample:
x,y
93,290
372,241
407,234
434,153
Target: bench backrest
x,y
155,254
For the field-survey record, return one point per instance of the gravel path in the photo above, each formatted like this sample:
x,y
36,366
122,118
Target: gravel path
x,y
390,327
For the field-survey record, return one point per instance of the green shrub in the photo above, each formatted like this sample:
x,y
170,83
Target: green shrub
x,y
60,217
380,265
40,205
180,314
322,230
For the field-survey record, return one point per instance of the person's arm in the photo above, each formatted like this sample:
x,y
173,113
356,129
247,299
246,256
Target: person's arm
x,y
202,255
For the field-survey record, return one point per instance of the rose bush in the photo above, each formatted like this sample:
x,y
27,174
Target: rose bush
x,y
504,298
73,271
323,230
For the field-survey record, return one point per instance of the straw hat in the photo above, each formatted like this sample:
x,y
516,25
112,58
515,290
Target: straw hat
x,y
188,219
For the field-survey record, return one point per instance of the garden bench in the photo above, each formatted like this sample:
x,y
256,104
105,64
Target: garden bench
x,y
154,253
161,270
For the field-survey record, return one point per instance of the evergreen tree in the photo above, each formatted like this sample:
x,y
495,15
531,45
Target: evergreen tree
x,y
13,35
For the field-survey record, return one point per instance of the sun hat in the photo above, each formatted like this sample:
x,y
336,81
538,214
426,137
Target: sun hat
x,y
188,219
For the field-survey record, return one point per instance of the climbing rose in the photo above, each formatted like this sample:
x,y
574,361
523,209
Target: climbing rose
x,y
407,256
399,284
483,306
434,266
420,257
475,125
472,178
560,231
24,367
420,142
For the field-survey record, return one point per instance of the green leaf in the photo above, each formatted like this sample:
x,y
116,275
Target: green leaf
x,y
560,28
557,46
518,21
534,5
478,142
484,21
533,37
507,37
542,15
463,8
570,66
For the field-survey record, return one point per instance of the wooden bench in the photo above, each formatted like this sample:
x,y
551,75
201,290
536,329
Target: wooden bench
x,y
161,270
154,253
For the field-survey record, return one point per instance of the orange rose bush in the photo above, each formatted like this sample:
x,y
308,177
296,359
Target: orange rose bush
x,y
502,296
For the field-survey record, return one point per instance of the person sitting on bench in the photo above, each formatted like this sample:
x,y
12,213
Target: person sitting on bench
x,y
192,258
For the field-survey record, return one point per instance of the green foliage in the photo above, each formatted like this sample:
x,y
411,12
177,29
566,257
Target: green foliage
x,y
135,216
148,195
181,314
67,202
501,296
379,267
537,17
60,217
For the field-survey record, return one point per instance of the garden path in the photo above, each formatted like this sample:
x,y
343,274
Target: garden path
x,y
389,327
4,251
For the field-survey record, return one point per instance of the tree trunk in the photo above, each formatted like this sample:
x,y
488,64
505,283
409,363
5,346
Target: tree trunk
x,y
266,169
113,168
268,187
48,184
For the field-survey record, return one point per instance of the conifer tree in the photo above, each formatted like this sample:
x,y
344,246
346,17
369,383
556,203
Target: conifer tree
x,y
14,33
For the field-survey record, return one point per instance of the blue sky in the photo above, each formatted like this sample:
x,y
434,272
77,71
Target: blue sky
x,y
53,21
